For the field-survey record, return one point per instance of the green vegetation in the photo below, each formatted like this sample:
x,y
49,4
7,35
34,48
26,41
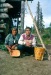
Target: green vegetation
x,y
2,47
39,17
46,36
44,32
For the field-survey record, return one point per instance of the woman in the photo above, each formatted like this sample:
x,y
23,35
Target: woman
x,y
11,40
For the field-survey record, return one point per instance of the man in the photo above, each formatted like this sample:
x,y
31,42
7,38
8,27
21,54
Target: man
x,y
11,40
27,41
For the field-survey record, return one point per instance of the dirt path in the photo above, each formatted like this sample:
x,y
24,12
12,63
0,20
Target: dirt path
x,y
23,66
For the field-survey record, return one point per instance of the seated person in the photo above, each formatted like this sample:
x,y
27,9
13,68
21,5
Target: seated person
x,y
27,42
11,40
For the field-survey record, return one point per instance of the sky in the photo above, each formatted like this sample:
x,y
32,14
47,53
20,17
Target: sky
x,y
45,5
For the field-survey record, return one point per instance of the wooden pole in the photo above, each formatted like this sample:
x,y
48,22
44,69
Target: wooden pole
x,y
35,24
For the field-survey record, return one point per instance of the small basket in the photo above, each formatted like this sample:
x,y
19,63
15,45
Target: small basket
x,y
15,53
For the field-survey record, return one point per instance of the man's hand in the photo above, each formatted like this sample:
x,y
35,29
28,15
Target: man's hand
x,y
28,44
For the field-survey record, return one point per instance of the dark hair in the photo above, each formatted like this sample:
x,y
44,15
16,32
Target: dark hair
x,y
14,28
28,28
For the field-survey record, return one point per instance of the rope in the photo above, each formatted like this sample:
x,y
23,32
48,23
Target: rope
x,y
35,25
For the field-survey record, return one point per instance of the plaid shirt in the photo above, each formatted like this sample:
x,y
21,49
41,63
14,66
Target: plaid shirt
x,y
11,40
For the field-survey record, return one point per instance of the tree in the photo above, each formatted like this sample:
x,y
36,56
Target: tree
x,y
41,25
38,14
39,18
50,25
50,30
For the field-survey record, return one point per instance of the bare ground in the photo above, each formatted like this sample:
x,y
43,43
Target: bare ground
x,y
23,66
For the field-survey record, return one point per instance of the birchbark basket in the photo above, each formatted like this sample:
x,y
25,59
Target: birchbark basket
x,y
39,53
15,53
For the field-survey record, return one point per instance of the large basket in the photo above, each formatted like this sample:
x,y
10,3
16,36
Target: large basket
x,y
39,52
15,53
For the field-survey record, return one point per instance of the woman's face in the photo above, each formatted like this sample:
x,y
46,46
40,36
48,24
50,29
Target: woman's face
x,y
14,31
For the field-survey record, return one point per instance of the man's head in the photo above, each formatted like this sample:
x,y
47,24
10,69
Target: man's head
x,y
14,30
28,31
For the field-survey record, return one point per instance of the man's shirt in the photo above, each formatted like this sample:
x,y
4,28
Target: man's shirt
x,y
23,39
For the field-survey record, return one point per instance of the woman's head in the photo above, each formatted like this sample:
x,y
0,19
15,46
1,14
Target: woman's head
x,y
14,30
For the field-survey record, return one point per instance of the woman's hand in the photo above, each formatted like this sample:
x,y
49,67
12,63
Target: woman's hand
x,y
13,47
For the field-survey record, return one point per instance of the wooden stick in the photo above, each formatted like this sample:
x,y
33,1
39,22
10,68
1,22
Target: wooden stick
x,y
35,25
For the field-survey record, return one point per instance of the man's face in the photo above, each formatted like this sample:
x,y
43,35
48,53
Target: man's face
x,y
14,31
27,32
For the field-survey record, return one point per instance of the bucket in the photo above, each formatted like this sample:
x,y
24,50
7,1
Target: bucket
x,y
15,53
39,52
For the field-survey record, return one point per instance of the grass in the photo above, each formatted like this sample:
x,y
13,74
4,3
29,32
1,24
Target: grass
x,y
2,47
46,41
